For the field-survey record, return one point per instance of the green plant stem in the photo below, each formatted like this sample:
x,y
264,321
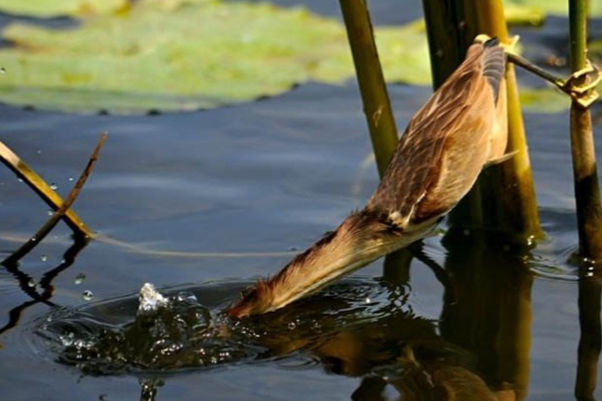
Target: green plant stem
x,y
443,38
447,31
516,204
587,191
578,10
377,107
504,198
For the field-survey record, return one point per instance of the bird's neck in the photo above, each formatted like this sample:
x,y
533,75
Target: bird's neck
x,y
362,238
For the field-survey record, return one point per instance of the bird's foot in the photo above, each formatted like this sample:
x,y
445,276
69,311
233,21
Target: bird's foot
x,y
581,85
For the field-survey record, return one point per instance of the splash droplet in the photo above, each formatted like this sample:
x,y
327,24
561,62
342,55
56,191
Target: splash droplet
x,y
44,258
53,186
31,283
292,326
71,179
80,278
87,295
67,339
2,70
150,299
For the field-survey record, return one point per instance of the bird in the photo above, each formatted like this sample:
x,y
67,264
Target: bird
x,y
461,129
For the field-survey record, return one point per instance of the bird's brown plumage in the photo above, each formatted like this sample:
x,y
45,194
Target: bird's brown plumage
x,y
446,143
460,129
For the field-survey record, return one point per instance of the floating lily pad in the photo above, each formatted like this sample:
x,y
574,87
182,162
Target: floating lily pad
x,y
558,7
595,50
544,100
53,8
190,54
520,15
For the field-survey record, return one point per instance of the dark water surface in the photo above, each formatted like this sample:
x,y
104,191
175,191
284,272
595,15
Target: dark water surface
x,y
242,183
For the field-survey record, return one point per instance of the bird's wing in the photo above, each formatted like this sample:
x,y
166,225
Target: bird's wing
x,y
452,121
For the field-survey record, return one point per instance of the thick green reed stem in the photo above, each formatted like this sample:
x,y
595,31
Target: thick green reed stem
x,y
587,191
503,198
377,107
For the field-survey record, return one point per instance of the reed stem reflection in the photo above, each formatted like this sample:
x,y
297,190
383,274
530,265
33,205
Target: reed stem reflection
x,y
148,388
590,289
487,309
45,284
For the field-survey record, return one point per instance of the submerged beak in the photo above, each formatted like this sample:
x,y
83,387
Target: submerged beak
x,y
362,238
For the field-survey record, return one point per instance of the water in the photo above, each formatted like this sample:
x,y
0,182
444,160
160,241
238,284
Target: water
x,y
248,184
186,329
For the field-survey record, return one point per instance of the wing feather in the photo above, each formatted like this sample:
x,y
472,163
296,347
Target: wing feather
x,y
427,154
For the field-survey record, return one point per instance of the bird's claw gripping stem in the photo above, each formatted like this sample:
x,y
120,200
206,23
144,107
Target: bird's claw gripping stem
x,y
581,85
511,46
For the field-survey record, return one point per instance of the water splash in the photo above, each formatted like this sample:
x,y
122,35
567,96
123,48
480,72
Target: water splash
x,y
183,328
79,279
150,300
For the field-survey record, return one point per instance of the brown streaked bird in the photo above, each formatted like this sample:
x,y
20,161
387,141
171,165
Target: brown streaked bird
x,y
458,131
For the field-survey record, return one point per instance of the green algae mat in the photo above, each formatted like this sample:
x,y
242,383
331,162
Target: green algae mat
x,y
192,54
184,55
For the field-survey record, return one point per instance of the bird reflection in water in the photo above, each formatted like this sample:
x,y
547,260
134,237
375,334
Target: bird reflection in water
x,y
478,350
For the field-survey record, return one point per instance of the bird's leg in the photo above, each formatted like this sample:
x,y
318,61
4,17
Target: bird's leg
x,y
580,85
582,75
440,273
511,51
540,72
505,157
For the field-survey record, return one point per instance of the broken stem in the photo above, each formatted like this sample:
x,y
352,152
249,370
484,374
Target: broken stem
x,y
60,212
40,187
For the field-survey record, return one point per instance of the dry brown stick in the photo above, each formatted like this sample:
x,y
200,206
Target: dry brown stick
x,y
60,212
39,186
